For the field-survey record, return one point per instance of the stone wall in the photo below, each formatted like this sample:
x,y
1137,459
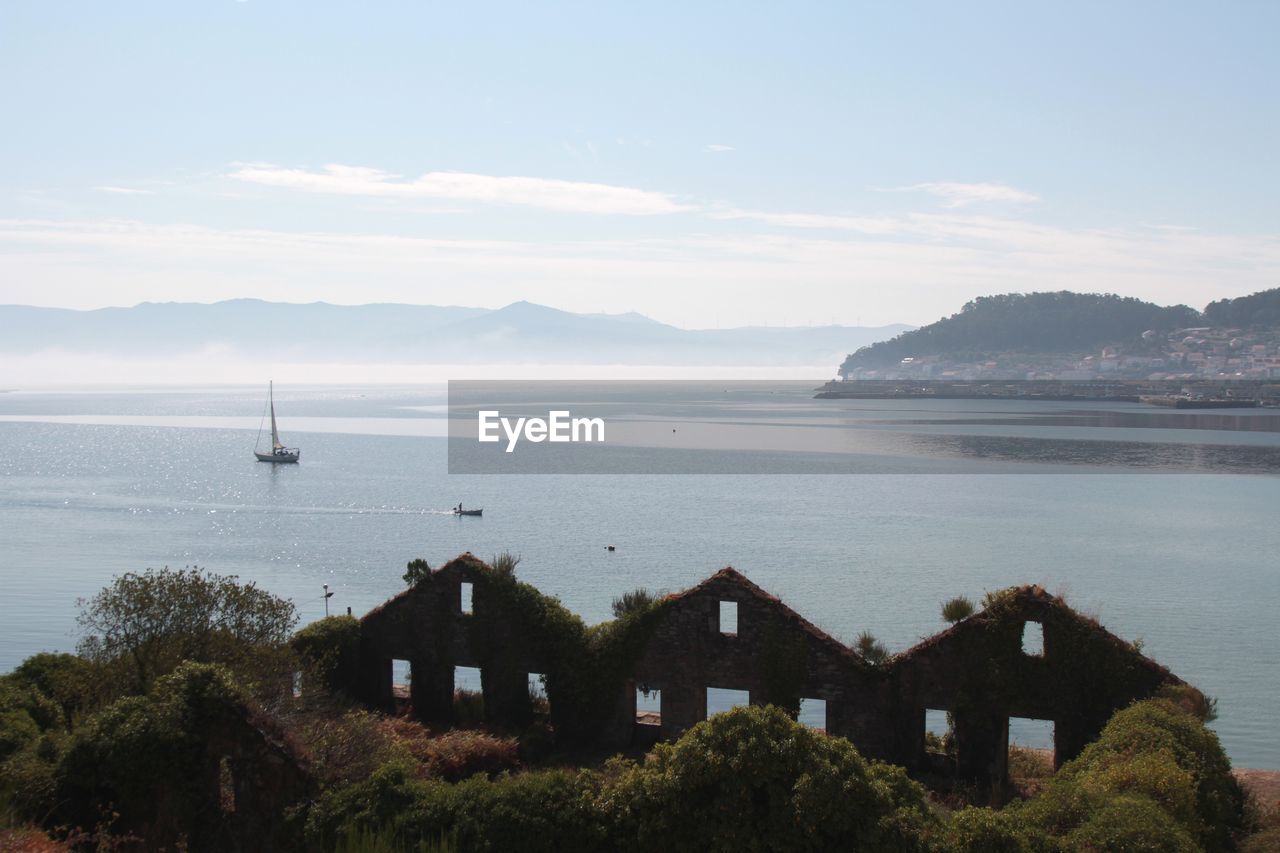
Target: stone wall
x,y
977,670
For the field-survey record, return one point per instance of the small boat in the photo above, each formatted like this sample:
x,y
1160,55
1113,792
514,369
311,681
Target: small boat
x,y
459,511
279,453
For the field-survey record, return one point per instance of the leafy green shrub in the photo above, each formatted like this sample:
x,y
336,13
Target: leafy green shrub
x,y
329,651
70,681
978,830
550,810
1159,725
17,695
957,609
17,730
754,779
544,811
1131,824
145,624
636,601
143,756
28,778
1155,762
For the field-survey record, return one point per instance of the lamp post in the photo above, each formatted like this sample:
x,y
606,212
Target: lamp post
x,y
327,595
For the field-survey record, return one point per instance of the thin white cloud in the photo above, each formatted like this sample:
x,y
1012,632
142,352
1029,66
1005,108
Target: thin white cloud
x,y
718,149
544,193
963,195
123,190
860,224
912,268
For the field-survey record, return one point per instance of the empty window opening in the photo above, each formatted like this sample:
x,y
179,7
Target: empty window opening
x,y
468,696
1031,750
538,693
1031,734
401,676
728,617
1032,638
226,786
466,678
648,705
813,713
939,734
464,598
721,699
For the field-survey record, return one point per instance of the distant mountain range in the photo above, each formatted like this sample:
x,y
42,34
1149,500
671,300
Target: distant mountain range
x,y
319,332
1061,322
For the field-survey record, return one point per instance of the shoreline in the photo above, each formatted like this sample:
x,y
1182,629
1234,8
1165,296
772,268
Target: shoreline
x,y
1180,394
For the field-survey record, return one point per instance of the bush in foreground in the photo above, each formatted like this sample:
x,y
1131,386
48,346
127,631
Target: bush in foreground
x,y
1156,779
754,779
750,779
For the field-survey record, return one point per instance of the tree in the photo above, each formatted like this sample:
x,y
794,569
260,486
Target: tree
x,y
871,649
636,601
417,572
147,623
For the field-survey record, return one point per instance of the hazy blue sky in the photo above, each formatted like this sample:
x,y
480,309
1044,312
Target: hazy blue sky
x,y
704,163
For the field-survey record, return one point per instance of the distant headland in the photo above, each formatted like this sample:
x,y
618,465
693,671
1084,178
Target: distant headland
x,y
1085,337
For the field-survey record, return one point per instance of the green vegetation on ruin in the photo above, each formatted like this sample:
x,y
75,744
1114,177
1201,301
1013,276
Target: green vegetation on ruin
x,y
102,748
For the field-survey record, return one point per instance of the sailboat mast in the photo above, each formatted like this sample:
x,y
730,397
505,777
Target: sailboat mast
x,y
275,433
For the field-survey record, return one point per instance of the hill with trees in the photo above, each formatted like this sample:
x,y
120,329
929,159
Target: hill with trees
x,y
1259,310
1031,323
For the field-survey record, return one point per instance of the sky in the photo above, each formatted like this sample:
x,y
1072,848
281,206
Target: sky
x,y
708,164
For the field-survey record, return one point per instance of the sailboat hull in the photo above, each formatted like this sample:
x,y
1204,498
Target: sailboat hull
x,y
278,458
279,453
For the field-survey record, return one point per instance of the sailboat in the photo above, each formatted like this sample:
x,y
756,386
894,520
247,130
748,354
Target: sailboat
x,y
279,453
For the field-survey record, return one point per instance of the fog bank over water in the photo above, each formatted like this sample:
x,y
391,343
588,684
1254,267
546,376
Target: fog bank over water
x,y
216,366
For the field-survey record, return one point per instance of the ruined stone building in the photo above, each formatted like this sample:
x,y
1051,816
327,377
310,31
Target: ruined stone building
x,y
1026,654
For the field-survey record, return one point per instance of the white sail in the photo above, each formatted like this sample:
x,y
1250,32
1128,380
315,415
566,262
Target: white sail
x,y
279,453
275,433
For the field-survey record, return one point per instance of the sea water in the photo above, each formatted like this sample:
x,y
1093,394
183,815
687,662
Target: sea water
x,y
1181,555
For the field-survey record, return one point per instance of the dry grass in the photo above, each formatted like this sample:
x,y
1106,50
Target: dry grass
x,y
27,840
453,755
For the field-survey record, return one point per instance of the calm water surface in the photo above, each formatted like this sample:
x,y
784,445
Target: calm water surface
x,y
94,483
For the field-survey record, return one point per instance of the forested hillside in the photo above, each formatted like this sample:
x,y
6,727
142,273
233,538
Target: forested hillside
x,y
1260,309
1028,322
